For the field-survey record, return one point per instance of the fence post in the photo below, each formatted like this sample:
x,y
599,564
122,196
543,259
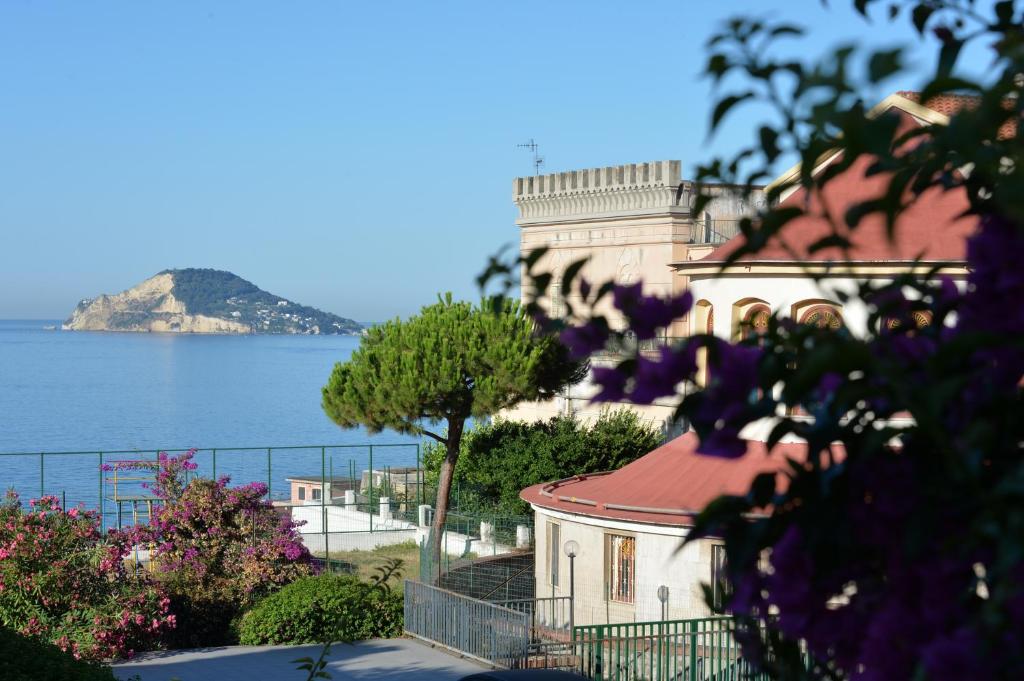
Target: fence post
x,y
369,500
269,479
419,474
599,653
214,452
692,626
100,499
42,474
323,508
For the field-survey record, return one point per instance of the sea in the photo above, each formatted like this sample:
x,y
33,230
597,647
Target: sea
x,y
72,401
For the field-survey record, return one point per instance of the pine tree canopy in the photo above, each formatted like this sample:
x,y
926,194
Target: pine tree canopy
x,y
453,361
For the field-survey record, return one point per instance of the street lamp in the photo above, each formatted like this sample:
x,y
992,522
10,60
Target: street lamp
x,y
572,549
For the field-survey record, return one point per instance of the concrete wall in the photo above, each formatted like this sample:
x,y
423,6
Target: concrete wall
x,y
660,560
349,529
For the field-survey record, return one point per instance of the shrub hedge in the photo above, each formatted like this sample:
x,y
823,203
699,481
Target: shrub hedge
x,y
27,659
500,458
321,608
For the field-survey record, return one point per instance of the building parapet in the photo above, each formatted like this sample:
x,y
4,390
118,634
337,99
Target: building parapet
x,y
630,187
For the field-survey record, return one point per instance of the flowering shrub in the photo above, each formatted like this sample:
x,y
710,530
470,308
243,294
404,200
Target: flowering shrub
x,y
217,549
27,659
61,581
896,549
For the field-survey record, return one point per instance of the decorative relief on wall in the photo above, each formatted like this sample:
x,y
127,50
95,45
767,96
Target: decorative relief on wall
x,y
628,268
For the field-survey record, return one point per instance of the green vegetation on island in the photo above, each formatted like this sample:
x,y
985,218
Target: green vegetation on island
x,y
203,301
217,293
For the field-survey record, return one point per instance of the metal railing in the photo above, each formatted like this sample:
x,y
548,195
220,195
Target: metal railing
x,y
373,471
550,617
681,650
485,631
715,231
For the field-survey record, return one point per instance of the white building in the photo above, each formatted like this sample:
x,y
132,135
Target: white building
x,y
629,524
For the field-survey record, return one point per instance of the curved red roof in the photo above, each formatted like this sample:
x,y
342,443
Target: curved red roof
x,y
668,486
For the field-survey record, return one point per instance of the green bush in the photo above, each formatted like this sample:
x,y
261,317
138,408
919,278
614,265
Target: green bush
x,y
322,608
500,458
25,659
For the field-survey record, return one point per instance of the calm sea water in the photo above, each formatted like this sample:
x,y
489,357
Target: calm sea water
x,y
82,391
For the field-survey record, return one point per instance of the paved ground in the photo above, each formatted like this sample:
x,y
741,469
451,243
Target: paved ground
x,y
380,660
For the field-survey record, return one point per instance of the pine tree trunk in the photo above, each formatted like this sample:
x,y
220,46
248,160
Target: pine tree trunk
x,y
444,488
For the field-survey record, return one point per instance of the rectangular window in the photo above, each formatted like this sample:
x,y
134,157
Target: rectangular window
x,y
719,585
554,539
302,493
621,552
317,493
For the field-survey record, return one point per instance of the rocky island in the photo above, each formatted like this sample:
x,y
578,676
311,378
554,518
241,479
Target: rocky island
x,y
202,301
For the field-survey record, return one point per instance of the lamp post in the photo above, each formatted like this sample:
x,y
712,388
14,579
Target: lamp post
x,y
572,548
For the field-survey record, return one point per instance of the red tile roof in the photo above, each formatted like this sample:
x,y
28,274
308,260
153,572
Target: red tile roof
x,y
950,105
666,487
934,228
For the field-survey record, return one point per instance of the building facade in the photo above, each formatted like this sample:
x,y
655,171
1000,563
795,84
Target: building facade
x,y
631,222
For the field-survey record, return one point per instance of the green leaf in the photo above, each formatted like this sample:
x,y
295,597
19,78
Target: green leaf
x,y
725,105
948,55
717,66
922,12
769,142
884,64
786,30
762,489
1004,12
569,276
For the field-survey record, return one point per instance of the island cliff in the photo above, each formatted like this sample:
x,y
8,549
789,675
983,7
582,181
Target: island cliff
x,y
202,301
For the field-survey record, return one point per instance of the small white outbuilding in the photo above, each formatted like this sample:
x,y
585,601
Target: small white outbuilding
x,y
626,529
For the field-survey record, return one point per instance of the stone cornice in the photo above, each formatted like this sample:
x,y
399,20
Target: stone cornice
x,y
718,268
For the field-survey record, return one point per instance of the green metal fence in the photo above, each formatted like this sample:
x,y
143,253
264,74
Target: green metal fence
x,y
685,650
394,471
484,555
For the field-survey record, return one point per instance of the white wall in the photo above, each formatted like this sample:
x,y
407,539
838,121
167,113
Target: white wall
x,y
780,292
661,559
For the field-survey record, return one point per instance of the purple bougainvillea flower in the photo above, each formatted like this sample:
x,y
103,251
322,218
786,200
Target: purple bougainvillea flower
x,y
721,413
612,384
955,656
583,341
657,377
647,314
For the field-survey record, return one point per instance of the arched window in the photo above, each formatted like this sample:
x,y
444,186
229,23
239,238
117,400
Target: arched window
x,y
755,321
704,322
921,319
823,317
749,318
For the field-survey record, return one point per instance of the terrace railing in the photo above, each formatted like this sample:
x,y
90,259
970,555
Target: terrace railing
x,y
681,650
485,631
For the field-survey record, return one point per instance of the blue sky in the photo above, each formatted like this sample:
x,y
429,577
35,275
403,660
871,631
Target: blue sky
x,y
357,157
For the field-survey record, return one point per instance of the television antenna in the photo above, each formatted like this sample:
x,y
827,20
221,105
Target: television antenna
x,y
538,160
